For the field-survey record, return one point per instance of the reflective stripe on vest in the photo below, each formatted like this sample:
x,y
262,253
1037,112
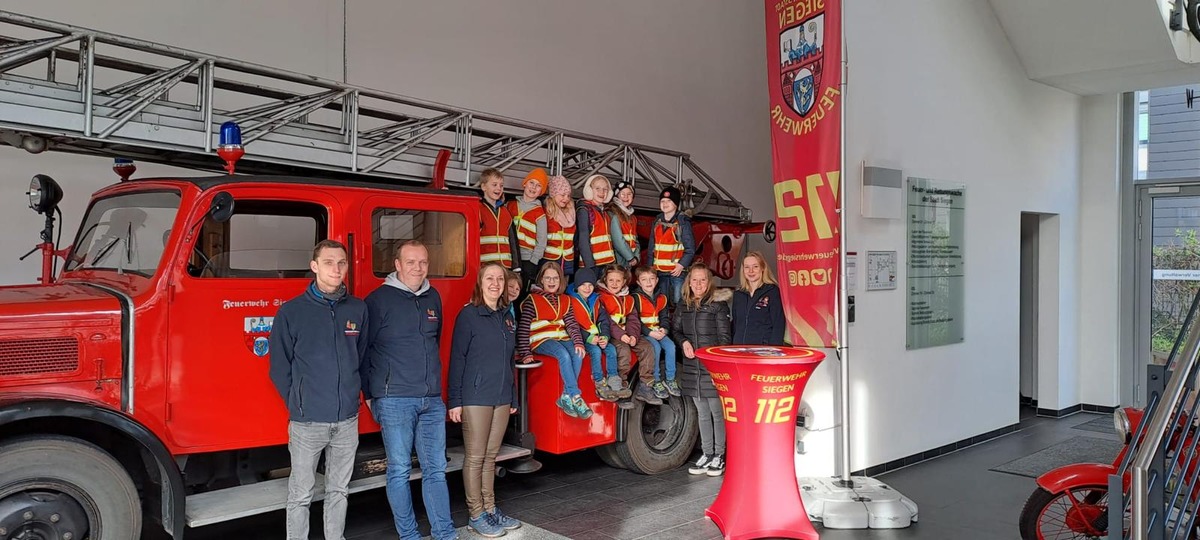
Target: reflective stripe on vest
x,y
602,250
526,223
650,316
560,241
619,307
547,320
628,232
668,250
493,234
585,318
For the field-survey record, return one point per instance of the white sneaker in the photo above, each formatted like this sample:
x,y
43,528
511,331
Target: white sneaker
x,y
716,467
701,465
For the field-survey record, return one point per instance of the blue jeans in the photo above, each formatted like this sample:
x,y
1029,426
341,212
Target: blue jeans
x,y
569,363
671,286
610,352
661,346
406,421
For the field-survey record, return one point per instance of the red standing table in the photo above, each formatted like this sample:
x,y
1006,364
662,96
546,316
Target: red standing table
x,y
760,389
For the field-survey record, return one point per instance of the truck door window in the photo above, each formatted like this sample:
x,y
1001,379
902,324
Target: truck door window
x,y
126,233
443,233
263,239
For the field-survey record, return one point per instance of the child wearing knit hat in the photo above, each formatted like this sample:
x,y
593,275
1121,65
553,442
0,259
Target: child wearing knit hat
x,y
560,226
672,246
529,221
624,226
594,325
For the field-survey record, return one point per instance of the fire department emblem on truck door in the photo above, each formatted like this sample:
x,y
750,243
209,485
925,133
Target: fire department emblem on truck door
x,y
257,330
801,55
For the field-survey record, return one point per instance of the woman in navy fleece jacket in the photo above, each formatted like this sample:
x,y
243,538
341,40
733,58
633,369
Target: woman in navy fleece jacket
x,y
481,393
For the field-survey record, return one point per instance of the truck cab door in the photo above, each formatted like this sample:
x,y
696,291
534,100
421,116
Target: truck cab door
x,y
222,308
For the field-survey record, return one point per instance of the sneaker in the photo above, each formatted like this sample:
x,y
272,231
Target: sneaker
x,y
603,392
701,465
673,387
660,390
716,467
581,408
567,405
486,526
508,523
614,383
622,388
644,393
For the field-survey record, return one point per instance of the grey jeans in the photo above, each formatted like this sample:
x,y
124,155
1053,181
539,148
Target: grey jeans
x,y
712,425
306,440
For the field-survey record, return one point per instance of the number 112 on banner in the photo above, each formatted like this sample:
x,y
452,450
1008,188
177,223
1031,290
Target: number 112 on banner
x,y
770,411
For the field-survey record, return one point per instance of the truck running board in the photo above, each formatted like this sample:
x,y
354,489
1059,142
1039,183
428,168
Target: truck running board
x,y
243,501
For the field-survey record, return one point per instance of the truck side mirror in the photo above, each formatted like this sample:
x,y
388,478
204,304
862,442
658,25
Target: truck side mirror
x,y
221,208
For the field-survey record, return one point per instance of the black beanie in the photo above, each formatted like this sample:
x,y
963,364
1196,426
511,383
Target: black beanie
x,y
671,192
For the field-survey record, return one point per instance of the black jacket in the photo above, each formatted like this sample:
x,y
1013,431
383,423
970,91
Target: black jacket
x,y
758,320
402,350
703,326
481,353
316,350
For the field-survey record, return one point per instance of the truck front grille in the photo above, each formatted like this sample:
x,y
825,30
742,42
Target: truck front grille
x,y
42,355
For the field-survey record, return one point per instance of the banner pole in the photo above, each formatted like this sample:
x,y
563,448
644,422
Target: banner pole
x,y
843,330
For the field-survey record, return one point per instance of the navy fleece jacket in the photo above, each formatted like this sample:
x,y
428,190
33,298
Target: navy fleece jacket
x,y
402,354
316,346
481,352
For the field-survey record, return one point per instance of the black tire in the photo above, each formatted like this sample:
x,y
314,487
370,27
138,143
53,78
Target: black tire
x,y
87,474
1094,498
664,446
608,454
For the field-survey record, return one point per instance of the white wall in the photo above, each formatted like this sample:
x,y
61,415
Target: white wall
x,y
1100,231
943,96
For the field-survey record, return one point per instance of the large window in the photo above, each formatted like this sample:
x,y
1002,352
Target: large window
x,y
125,233
443,233
263,239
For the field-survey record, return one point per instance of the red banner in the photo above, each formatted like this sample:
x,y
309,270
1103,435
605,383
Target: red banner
x,y
804,66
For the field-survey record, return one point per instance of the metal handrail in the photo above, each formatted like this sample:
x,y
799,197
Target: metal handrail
x,y
1156,430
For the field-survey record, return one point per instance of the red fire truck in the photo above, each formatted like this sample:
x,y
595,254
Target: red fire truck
x,y
133,379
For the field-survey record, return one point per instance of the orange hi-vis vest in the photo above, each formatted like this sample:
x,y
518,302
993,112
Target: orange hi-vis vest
x,y
560,241
602,249
628,231
648,310
668,250
547,320
619,307
526,223
493,234
585,317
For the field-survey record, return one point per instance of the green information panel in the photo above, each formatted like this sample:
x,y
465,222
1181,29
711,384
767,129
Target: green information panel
x,y
936,231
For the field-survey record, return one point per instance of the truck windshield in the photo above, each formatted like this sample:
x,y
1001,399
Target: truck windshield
x,y
126,233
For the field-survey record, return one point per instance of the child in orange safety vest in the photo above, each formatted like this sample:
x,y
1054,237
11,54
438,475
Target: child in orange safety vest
x,y
594,325
560,226
655,317
497,238
671,246
529,222
626,330
623,226
547,326
593,236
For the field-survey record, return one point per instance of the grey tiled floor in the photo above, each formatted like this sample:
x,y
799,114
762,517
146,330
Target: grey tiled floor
x,y
579,497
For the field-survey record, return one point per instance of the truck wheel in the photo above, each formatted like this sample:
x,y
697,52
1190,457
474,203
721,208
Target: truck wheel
x,y
60,487
659,438
608,454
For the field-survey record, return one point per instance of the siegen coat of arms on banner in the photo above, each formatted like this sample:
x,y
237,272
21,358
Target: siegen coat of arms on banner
x,y
801,58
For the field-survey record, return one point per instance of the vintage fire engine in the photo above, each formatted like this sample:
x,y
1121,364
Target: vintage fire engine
x,y
133,378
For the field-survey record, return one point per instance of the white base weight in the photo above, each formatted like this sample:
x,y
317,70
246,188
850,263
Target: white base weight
x,y
869,504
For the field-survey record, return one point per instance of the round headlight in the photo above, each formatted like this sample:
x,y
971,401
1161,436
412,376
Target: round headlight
x,y
44,194
1121,424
